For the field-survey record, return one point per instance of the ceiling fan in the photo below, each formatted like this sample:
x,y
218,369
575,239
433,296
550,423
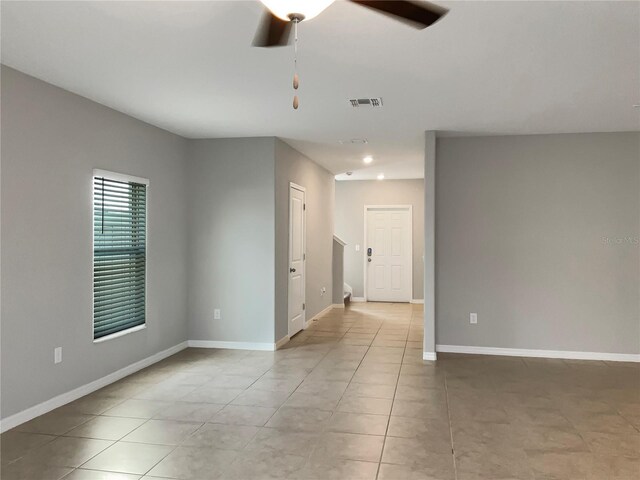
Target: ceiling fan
x,y
275,28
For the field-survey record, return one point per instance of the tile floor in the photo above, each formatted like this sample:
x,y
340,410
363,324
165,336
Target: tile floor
x,y
349,398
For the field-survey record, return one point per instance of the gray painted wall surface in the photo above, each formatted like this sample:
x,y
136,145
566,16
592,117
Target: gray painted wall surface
x,y
51,142
351,197
429,342
292,166
530,234
231,239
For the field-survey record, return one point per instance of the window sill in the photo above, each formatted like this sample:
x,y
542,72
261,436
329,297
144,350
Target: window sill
x,y
120,334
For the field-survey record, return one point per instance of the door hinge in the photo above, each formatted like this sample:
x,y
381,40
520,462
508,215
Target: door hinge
x,y
304,306
304,256
304,206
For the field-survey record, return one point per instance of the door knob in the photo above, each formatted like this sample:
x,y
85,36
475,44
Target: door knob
x,y
292,270
369,259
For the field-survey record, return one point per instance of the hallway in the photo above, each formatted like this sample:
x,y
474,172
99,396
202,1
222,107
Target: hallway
x,y
348,398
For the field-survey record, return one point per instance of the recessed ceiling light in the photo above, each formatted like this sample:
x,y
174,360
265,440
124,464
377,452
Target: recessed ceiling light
x,y
381,176
368,159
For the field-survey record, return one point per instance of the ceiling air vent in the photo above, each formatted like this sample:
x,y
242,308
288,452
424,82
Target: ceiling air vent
x,y
366,102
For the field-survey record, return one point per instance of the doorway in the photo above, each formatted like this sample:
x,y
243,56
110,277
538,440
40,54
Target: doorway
x,y
297,257
388,254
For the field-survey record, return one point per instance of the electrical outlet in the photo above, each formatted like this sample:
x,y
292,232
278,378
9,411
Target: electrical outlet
x,y
216,314
57,355
473,318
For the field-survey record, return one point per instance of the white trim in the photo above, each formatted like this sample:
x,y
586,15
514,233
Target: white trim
x,y
417,301
358,299
62,399
283,341
304,257
338,305
119,177
364,252
323,312
268,347
431,356
522,352
339,240
121,333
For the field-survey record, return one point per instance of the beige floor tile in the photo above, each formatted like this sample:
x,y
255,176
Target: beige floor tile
x,y
66,451
194,463
322,401
125,457
365,424
407,427
417,472
370,390
507,418
54,423
284,441
106,428
14,444
82,474
337,469
137,408
261,398
420,409
243,415
31,471
226,437
162,432
299,419
211,394
376,406
264,465
349,446
189,412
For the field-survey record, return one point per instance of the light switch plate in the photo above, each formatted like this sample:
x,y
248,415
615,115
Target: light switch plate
x,y
473,318
216,314
57,355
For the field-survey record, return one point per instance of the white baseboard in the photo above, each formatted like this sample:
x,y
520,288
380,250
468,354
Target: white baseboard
x,y
358,299
429,356
323,312
338,305
60,400
283,341
521,352
417,301
269,347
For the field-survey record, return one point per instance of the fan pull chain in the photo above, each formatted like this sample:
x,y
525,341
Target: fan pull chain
x,y
296,81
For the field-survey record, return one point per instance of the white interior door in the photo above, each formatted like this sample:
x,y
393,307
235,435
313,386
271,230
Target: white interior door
x,y
388,254
297,249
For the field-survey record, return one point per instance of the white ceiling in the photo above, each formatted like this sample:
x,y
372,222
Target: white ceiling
x,y
487,68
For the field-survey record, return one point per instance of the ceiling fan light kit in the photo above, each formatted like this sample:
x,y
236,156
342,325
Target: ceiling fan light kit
x,y
275,27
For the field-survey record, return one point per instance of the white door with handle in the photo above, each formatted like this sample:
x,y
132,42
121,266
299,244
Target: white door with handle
x,y
297,254
388,253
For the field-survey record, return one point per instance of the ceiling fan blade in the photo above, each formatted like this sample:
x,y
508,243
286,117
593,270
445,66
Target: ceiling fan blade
x,y
419,15
272,32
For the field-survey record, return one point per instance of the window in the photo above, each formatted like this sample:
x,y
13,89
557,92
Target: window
x,y
119,253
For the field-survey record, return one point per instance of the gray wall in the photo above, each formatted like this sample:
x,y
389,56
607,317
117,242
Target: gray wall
x,y
231,239
51,142
539,236
292,166
351,197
